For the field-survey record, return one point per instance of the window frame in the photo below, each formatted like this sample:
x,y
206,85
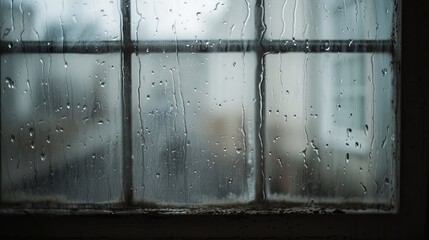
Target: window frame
x,y
410,220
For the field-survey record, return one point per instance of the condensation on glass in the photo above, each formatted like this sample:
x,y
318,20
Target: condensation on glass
x,y
60,20
61,127
329,20
330,128
193,20
193,127
324,130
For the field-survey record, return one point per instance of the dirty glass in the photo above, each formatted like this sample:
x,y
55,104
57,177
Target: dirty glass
x,y
61,130
327,19
330,128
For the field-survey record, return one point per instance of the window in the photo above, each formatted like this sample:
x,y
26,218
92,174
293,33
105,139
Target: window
x,y
195,103
409,221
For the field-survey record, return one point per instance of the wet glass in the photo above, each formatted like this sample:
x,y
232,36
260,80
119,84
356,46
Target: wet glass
x,y
329,19
61,128
205,115
194,127
66,20
330,128
193,19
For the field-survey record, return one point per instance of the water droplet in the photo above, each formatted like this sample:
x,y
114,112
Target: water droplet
x,y
10,83
31,131
42,157
347,158
198,14
276,138
100,122
148,97
12,138
230,180
363,188
326,46
384,72
157,175
348,130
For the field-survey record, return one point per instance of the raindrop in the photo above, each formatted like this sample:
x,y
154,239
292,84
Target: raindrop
x,y
148,97
12,138
326,46
347,158
10,83
198,14
157,175
349,130
42,157
386,181
276,138
100,122
363,188
230,180
384,72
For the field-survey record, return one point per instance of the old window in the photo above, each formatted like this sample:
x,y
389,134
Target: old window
x,y
160,103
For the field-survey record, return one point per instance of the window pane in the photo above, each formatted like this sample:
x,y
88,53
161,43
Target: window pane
x,y
193,126
53,20
330,128
333,19
192,19
61,127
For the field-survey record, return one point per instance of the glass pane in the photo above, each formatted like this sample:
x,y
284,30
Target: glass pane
x,y
193,126
192,19
333,19
53,20
330,128
61,128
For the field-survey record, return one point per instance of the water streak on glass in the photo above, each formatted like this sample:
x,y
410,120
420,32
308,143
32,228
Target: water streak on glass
x,y
321,19
336,144
60,128
53,20
192,19
194,119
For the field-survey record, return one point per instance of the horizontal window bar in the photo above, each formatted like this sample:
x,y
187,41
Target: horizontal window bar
x,y
268,46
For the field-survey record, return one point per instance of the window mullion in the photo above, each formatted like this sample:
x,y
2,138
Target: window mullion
x,y
259,104
127,168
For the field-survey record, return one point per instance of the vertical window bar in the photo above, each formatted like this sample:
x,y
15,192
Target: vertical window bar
x,y
260,104
127,168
